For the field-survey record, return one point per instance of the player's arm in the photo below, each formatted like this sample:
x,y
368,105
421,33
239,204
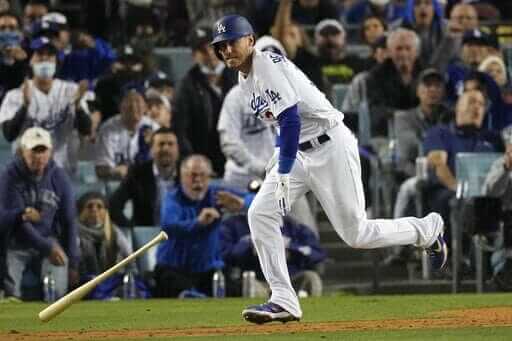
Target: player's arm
x,y
289,126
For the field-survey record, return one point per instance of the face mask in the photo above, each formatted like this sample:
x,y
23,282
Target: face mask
x,y
217,71
44,70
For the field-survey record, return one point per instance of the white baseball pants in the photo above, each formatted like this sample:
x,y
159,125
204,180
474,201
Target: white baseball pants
x,y
333,172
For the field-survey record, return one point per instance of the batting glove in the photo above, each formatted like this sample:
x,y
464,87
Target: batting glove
x,y
283,193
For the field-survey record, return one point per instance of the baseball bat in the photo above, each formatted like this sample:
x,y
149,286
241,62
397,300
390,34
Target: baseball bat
x,y
65,301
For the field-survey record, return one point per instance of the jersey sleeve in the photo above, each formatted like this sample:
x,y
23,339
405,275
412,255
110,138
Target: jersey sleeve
x,y
10,105
275,85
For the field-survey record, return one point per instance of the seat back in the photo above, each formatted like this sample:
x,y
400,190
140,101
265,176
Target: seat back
x,y
471,170
142,235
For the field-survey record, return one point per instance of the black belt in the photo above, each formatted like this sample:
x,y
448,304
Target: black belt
x,y
317,141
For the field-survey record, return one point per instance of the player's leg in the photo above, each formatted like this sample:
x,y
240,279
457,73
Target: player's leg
x,y
335,177
265,224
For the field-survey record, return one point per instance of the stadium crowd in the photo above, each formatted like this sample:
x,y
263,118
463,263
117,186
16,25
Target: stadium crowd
x,y
100,138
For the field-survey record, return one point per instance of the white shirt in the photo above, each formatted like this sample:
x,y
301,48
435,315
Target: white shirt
x,y
53,111
116,144
274,84
247,141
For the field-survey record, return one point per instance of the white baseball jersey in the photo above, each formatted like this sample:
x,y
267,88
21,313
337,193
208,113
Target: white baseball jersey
x,y
53,111
275,84
116,144
247,141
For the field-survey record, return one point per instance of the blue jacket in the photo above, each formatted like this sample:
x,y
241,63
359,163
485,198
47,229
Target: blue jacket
x,y
456,140
304,250
52,196
87,63
190,247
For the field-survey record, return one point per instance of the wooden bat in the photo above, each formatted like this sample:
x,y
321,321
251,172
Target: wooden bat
x,y
64,302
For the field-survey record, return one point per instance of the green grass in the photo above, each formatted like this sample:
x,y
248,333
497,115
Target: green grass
x,y
160,314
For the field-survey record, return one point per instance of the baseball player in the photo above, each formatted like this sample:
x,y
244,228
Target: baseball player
x,y
316,152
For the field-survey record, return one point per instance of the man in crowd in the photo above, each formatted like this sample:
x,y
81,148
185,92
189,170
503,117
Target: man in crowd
x,y
47,102
123,138
443,142
391,85
146,183
37,208
199,100
190,216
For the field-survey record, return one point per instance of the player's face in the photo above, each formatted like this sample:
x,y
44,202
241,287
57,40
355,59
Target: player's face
x,y
36,159
164,149
195,177
236,52
93,213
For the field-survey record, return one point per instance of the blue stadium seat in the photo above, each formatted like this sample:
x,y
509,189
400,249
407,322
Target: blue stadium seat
x,y
142,235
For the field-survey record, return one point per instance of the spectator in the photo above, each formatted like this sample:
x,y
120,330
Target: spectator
x,y
162,84
411,125
127,72
494,67
296,44
372,29
37,207
14,61
391,85
205,13
463,17
304,255
146,183
199,100
387,10
425,17
50,103
337,65
159,109
443,142
81,56
124,138
34,10
102,244
191,215
410,128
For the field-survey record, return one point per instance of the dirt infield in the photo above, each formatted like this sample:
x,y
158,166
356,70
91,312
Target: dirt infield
x,y
483,317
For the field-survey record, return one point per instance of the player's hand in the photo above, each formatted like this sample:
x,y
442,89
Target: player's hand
x,y
232,203
57,256
31,214
283,193
27,92
207,216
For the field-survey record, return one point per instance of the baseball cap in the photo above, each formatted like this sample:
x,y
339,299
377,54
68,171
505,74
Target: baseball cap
x,y
44,28
158,79
43,43
34,137
199,37
430,74
329,26
56,18
476,36
126,53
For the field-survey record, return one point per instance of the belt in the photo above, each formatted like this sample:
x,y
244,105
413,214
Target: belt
x,y
313,143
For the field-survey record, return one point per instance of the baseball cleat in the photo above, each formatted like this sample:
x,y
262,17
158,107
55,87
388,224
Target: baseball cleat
x,y
267,312
438,253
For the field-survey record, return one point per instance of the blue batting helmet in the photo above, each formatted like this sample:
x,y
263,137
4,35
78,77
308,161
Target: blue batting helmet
x,y
231,27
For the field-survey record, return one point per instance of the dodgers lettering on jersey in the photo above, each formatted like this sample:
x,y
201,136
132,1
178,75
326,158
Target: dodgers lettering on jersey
x,y
276,84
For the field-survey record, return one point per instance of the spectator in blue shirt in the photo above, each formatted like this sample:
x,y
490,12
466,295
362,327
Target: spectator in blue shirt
x,y
443,142
190,214
37,209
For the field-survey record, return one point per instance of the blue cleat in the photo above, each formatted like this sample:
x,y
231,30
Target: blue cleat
x,y
438,253
267,312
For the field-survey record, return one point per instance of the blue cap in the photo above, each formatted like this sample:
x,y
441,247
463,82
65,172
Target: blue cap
x,y
42,43
40,27
231,27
